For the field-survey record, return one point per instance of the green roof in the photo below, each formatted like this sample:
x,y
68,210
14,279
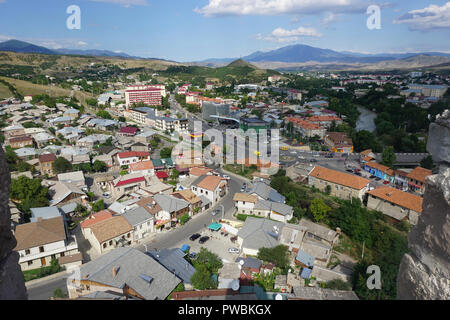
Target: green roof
x,y
215,226
157,163
168,162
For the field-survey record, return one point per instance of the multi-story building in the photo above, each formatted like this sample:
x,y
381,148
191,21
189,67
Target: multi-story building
x,y
342,185
150,95
338,142
20,142
417,179
46,164
127,158
211,187
41,241
172,124
306,128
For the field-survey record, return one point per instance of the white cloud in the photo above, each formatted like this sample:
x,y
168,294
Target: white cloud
x,y
81,43
300,31
331,17
125,3
281,35
276,7
431,17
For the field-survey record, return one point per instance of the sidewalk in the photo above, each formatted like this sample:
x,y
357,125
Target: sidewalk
x,y
45,279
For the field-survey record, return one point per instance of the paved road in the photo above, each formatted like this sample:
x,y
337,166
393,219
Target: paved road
x,y
44,290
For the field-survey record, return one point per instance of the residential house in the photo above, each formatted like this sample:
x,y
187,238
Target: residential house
x,y
141,221
199,171
145,168
342,185
265,192
401,179
127,272
139,146
252,205
417,179
128,131
187,195
127,158
212,187
20,142
107,233
41,241
325,121
13,131
63,193
319,233
174,261
229,275
172,206
43,138
45,213
107,159
127,184
145,137
155,186
72,113
75,178
258,233
46,164
396,204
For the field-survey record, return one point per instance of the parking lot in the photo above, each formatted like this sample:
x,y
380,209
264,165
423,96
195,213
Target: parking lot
x,y
217,243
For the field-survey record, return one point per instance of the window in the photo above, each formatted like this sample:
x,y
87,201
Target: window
x,y
41,249
30,262
53,257
128,235
104,245
62,254
110,242
27,251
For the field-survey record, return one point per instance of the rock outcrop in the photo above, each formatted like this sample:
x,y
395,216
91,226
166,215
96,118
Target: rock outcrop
x,y
12,284
424,274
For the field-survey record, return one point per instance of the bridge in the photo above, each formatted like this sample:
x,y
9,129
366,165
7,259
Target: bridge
x,y
224,118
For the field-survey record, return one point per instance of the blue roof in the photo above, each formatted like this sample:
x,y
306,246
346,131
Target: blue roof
x,y
173,260
306,273
305,258
215,226
185,247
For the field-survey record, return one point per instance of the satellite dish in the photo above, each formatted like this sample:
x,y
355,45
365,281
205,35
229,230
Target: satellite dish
x,y
235,285
278,297
241,262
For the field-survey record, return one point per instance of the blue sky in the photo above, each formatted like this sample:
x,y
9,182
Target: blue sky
x,y
193,30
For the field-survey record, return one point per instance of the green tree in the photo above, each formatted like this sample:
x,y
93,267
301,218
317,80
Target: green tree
x,y
29,193
338,284
201,279
99,166
319,209
98,206
104,114
210,260
389,157
166,153
278,255
61,165
184,219
58,293
427,163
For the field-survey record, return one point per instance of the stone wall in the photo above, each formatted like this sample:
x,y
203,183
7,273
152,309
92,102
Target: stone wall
x,y
12,284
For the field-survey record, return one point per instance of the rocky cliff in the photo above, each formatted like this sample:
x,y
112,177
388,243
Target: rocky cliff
x,y
12,284
424,274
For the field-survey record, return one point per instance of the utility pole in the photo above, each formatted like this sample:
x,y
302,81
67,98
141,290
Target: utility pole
x,y
362,255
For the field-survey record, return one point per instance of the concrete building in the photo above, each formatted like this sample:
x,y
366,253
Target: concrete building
x,y
150,95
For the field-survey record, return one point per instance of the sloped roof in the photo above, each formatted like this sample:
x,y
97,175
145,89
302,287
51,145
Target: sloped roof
x,y
338,177
245,197
39,233
400,198
110,228
170,203
173,260
256,233
419,174
209,182
137,216
134,267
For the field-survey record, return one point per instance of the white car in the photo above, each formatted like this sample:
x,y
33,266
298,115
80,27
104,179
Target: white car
x,y
233,250
106,195
226,177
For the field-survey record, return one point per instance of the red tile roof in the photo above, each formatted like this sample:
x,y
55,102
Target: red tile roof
x,y
131,130
400,198
129,181
131,154
47,157
162,175
96,217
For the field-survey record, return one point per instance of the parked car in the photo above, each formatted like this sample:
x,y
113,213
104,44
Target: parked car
x,y
377,179
349,170
233,239
313,160
226,177
106,195
194,237
233,250
203,239
192,255
385,182
372,177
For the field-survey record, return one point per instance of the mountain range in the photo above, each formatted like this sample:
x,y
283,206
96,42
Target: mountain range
x,y
286,58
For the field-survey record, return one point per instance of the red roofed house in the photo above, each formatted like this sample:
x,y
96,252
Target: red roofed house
x,y
127,158
127,184
162,175
128,131
144,167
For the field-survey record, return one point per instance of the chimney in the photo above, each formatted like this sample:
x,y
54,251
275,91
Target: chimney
x,y
115,270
